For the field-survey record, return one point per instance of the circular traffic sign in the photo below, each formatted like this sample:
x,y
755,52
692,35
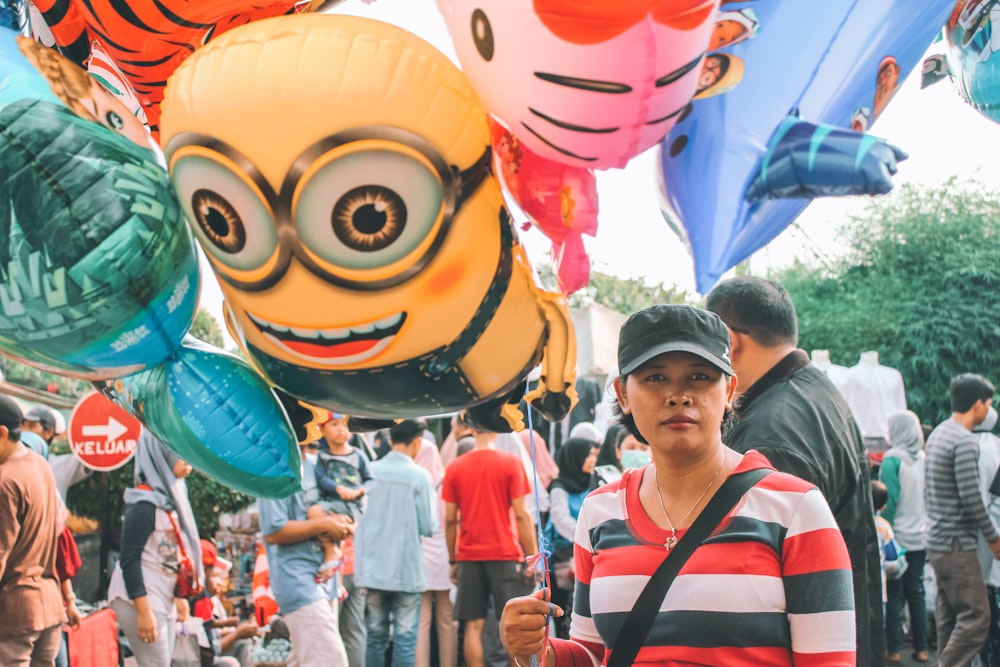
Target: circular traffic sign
x,y
102,435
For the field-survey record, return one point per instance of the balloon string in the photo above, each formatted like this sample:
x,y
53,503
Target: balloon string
x,y
539,563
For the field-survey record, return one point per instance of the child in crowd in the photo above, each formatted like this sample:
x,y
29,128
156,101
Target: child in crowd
x,y
890,553
343,478
341,473
231,640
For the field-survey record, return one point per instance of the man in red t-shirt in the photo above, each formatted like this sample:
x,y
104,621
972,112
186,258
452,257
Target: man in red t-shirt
x,y
484,494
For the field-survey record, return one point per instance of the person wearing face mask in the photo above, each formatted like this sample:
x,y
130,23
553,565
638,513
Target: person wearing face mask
x,y
158,534
576,459
635,454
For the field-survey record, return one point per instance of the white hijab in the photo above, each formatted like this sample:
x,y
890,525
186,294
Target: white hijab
x,y
154,467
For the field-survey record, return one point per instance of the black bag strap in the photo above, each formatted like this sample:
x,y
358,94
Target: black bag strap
x,y
640,620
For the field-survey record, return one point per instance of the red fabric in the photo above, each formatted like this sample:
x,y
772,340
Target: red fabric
x,y
483,483
95,642
68,560
263,598
202,608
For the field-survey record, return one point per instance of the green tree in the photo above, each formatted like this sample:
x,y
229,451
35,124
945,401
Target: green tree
x,y
205,327
626,295
918,284
26,376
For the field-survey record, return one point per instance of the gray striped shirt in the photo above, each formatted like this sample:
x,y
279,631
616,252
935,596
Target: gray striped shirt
x,y
955,509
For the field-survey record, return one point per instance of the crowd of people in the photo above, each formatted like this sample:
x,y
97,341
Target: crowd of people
x,y
730,516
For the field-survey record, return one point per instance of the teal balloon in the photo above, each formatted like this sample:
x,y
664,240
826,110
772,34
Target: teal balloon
x,y
99,275
974,54
216,412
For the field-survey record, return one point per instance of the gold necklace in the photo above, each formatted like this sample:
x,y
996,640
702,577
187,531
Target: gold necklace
x,y
671,541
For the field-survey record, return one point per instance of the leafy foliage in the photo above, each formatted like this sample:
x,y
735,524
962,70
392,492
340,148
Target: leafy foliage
x,y
918,285
206,328
625,295
26,376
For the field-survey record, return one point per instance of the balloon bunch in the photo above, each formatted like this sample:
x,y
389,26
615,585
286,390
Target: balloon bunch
x,y
366,258
770,130
100,274
602,81
142,43
367,261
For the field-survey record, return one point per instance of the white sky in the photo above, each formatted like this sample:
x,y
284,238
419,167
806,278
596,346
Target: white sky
x,y
943,136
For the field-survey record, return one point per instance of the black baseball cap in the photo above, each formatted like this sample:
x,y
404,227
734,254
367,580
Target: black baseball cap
x,y
10,413
673,328
43,417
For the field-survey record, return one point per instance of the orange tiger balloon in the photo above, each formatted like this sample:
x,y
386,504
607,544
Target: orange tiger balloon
x,y
148,39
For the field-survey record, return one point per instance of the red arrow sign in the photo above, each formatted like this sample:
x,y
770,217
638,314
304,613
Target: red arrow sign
x,y
102,435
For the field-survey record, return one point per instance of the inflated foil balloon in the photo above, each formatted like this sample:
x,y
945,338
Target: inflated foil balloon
x,y
560,199
221,417
835,63
366,259
973,55
591,83
148,39
99,272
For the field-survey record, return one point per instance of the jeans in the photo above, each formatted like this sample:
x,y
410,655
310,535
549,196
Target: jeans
x,y
352,623
404,608
908,590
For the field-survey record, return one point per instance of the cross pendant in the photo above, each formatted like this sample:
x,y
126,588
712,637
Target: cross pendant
x,y
670,543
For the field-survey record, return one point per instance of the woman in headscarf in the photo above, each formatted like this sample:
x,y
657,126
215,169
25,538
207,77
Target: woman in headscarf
x,y
576,459
609,467
158,532
902,472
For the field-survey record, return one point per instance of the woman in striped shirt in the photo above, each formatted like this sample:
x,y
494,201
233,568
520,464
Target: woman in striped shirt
x,y
771,585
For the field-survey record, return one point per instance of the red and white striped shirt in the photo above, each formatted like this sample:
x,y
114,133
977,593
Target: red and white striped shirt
x,y
771,586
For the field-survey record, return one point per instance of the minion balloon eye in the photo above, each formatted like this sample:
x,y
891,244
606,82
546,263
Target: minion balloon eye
x,y
369,207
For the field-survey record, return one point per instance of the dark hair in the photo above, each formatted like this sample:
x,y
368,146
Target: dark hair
x,y
967,389
608,456
463,419
629,422
759,308
880,494
404,432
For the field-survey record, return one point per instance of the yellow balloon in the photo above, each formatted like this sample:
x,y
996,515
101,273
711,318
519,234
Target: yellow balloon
x,y
336,171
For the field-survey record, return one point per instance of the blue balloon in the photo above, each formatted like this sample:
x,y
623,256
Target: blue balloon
x,y
838,62
810,160
216,412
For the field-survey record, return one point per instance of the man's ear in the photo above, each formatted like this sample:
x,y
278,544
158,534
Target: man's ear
x,y
621,395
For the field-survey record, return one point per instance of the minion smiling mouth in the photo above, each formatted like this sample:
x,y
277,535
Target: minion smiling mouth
x,y
349,345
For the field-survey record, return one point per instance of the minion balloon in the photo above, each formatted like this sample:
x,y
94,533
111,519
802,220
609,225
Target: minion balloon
x,y
352,218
